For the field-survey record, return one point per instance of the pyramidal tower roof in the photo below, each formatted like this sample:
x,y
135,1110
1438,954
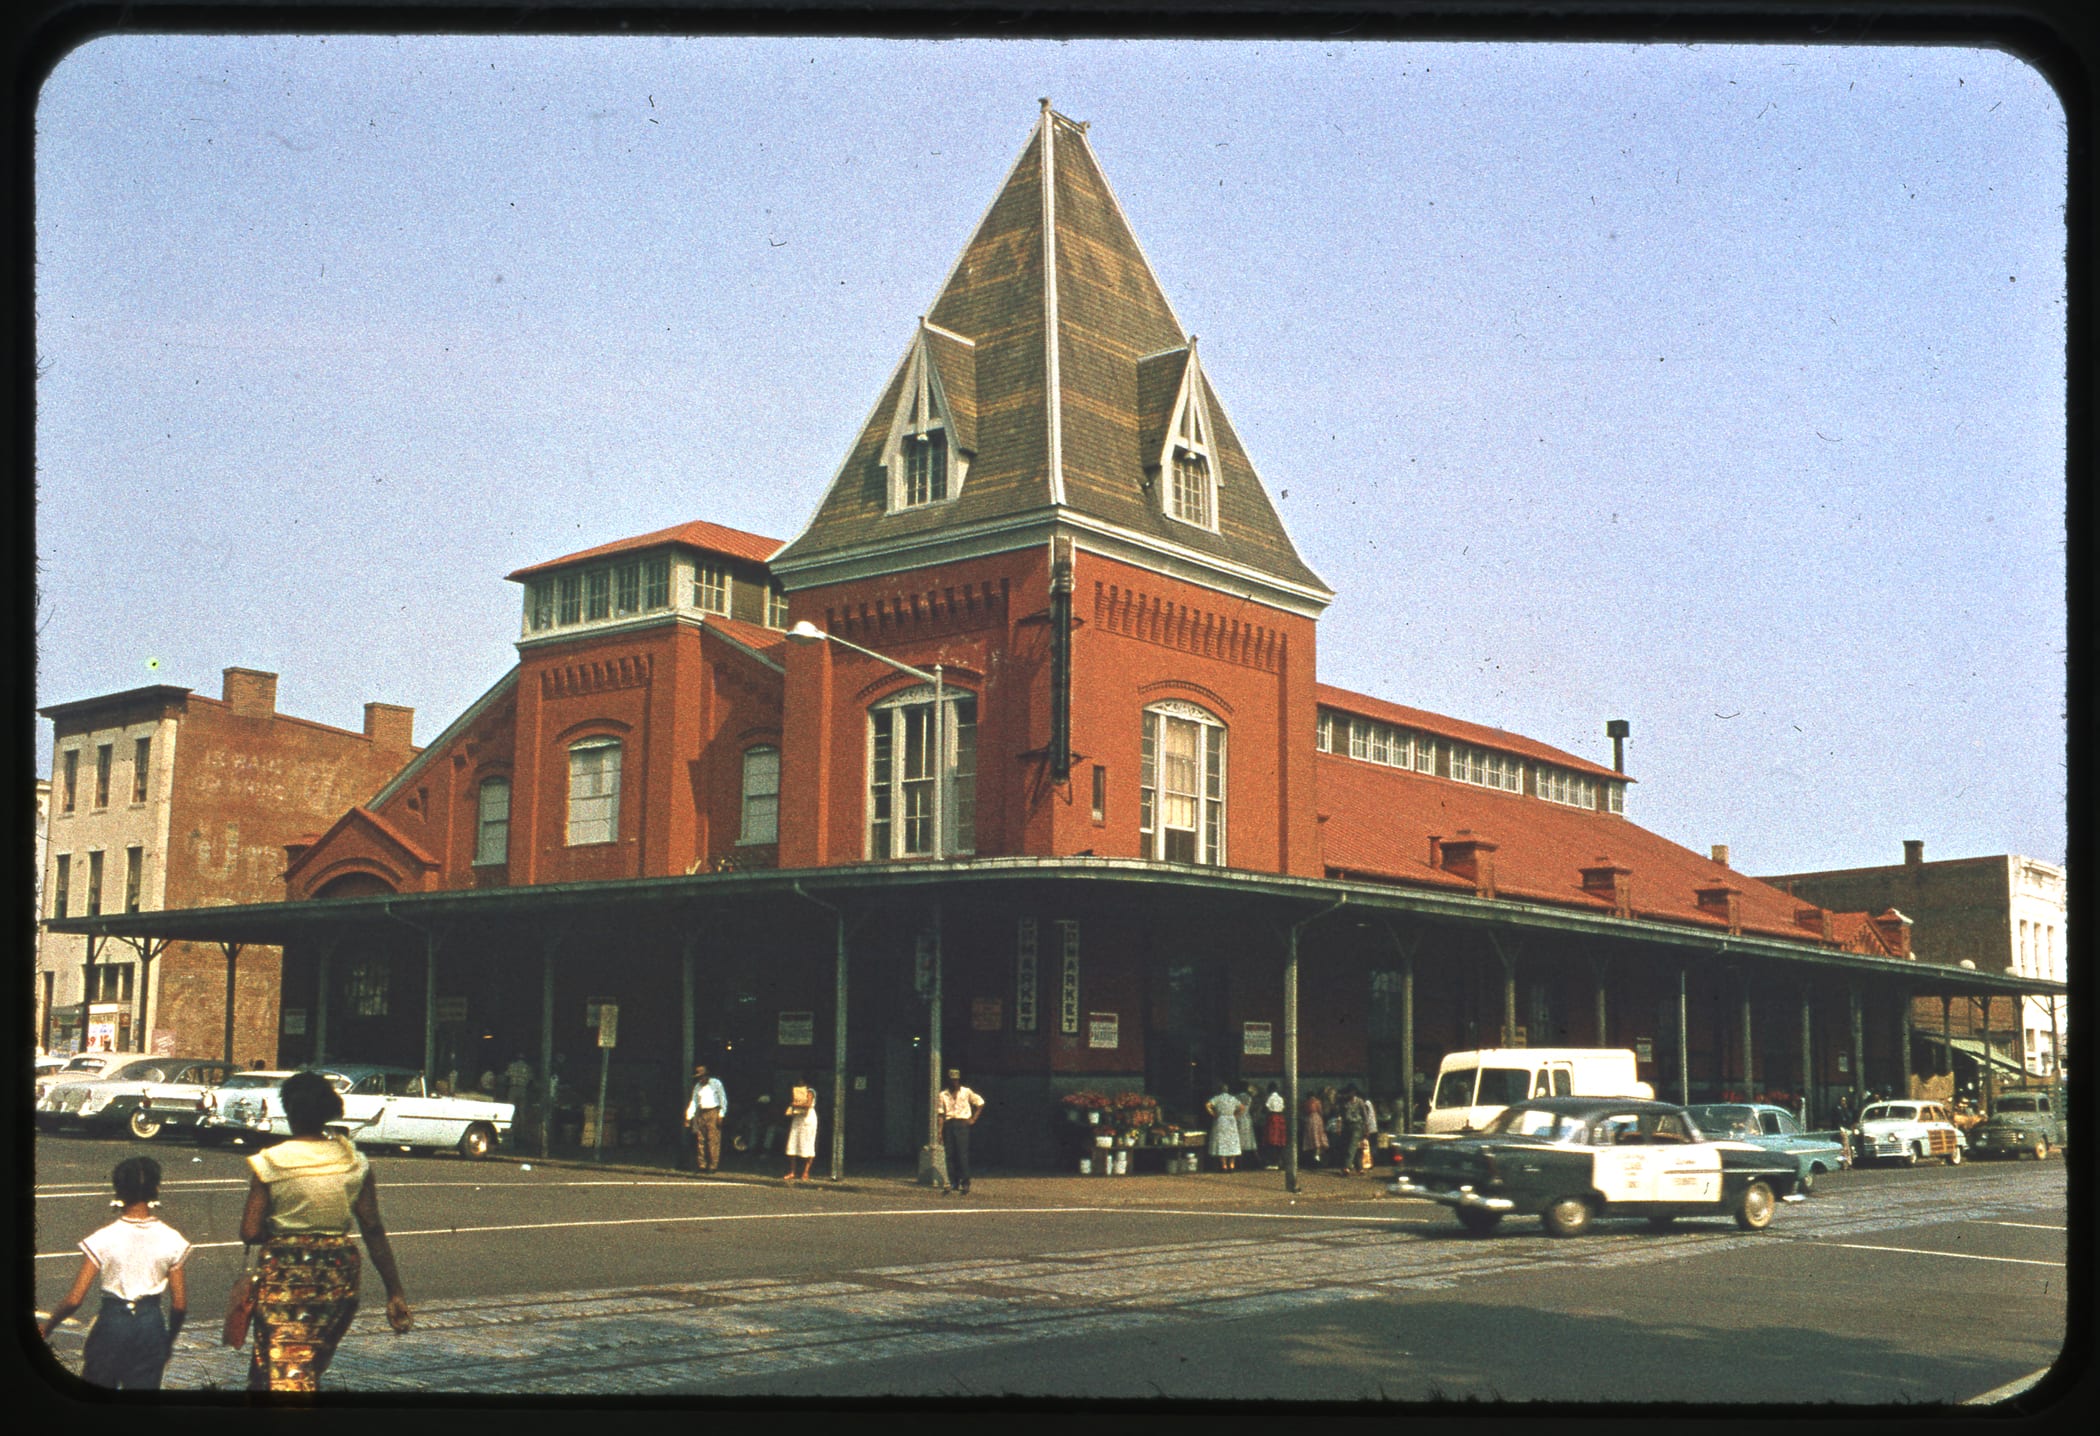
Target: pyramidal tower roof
x,y
1058,374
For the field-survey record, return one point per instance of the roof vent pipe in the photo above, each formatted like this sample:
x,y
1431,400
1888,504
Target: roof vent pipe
x,y
1617,730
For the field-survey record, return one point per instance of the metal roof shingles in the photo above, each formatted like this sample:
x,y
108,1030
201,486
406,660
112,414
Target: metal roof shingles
x,y
698,534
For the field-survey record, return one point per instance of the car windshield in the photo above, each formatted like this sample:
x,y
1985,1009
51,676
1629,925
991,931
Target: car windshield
x,y
1726,1121
136,1072
1889,1112
253,1079
2017,1104
1536,1122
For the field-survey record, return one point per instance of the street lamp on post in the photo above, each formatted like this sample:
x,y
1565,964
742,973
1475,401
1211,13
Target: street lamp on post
x,y
806,633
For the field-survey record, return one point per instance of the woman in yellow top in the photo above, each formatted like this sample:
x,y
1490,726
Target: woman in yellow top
x,y
306,1193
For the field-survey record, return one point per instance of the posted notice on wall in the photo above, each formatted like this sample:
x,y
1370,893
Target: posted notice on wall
x,y
1256,1039
1104,1029
987,1014
1644,1049
797,1029
452,1009
294,1023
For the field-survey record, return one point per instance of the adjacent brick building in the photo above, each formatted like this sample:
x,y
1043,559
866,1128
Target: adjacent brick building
x,y
162,797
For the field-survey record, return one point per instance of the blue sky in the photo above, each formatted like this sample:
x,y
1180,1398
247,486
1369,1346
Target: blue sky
x,y
1720,389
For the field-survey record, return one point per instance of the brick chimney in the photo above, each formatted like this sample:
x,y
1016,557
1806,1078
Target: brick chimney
x,y
1473,859
1436,850
1914,852
1894,928
1614,881
389,725
1723,900
250,692
1816,920
1720,853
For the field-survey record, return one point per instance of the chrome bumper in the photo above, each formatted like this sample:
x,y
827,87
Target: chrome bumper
x,y
1460,1196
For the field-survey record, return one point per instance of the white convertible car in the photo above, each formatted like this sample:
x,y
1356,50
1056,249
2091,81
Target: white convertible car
x,y
382,1107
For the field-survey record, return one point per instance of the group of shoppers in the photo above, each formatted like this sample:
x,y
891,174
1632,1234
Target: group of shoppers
x,y
957,1108
1336,1128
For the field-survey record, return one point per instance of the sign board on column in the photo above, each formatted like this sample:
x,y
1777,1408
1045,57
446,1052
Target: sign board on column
x,y
452,1009
590,1010
294,1022
609,1024
1257,1039
1103,1029
797,1029
1644,1049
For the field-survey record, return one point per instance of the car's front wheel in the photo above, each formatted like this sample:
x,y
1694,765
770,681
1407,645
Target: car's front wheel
x,y
2041,1149
1954,1156
1568,1217
1912,1153
144,1125
1807,1184
479,1140
1753,1210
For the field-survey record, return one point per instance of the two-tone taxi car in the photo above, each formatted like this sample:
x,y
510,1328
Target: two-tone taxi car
x,y
1572,1160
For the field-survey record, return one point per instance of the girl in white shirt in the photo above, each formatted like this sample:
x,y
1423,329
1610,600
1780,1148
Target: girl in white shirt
x,y
136,1258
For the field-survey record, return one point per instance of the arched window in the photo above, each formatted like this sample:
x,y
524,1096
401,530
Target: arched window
x,y
492,830
901,775
594,791
1181,785
761,796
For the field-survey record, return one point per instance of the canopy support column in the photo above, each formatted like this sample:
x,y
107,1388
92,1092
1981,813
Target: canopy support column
x,y
232,951
547,947
323,981
1749,1048
1684,1046
1859,1046
1808,1063
1903,1027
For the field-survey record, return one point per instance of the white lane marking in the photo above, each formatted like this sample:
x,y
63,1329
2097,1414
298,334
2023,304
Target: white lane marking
x,y
2031,1226
1921,1251
237,1182
807,1216
2009,1390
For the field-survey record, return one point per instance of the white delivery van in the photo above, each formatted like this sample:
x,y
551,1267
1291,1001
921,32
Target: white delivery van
x,y
1471,1087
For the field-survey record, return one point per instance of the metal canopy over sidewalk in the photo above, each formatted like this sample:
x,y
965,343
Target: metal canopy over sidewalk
x,y
1286,897
1975,1051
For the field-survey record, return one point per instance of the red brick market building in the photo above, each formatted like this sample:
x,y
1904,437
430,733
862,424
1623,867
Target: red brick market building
x,y
1136,845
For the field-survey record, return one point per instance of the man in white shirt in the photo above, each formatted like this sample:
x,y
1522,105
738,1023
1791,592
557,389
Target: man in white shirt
x,y
957,1107
703,1114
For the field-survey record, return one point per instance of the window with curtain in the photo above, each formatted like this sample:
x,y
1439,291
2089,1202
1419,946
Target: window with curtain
x,y
492,831
761,822
902,773
594,791
1181,785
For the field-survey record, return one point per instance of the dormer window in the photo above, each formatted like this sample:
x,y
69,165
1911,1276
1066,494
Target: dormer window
x,y
711,587
1189,465
925,460
625,589
776,608
1485,768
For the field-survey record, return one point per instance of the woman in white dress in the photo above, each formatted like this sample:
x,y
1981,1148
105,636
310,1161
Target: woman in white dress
x,y
1225,1128
802,1132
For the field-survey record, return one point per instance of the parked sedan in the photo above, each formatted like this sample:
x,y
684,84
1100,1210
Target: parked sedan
x,y
144,1094
1908,1132
1776,1130
1571,1160
382,1107
244,1109
80,1067
2020,1122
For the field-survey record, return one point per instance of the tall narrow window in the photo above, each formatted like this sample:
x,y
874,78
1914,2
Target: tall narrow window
x,y
69,786
627,588
925,468
761,796
539,598
1190,460
902,771
597,593
594,791
1189,498
141,757
134,877
1323,733
656,584
492,827
94,886
776,608
568,605
1181,785
61,881
104,754
711,587
1100,794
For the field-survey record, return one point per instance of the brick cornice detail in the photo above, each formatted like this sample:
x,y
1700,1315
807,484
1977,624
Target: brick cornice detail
x,y
952,608
598,676
1151,619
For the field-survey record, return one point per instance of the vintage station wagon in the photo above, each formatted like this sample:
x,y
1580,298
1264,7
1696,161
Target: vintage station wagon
x,y
1570,1160
1908,1132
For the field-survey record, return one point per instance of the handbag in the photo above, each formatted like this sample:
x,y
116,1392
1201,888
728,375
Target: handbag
x,y
240,1310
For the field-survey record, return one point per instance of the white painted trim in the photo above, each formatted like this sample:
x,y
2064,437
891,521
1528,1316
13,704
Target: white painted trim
x,y
947,333
1131,230
877,558
1052,380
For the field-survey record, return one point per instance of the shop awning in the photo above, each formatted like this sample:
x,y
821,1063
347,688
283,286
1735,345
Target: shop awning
x,y
1974,1049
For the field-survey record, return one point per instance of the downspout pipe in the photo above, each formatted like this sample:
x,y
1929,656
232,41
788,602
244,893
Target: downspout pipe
x,y
838,1036
1290,1035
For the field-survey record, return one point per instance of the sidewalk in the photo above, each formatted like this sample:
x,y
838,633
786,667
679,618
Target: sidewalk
x,y
1029,1188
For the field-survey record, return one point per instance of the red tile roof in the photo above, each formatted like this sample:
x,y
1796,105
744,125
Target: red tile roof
x,y
1436,725
707,537
1376,822
766,642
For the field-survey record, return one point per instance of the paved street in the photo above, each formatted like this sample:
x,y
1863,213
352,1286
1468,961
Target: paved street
x,y
562,1280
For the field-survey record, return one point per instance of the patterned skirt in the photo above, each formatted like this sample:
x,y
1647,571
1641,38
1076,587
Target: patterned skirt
x,y
305,1297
